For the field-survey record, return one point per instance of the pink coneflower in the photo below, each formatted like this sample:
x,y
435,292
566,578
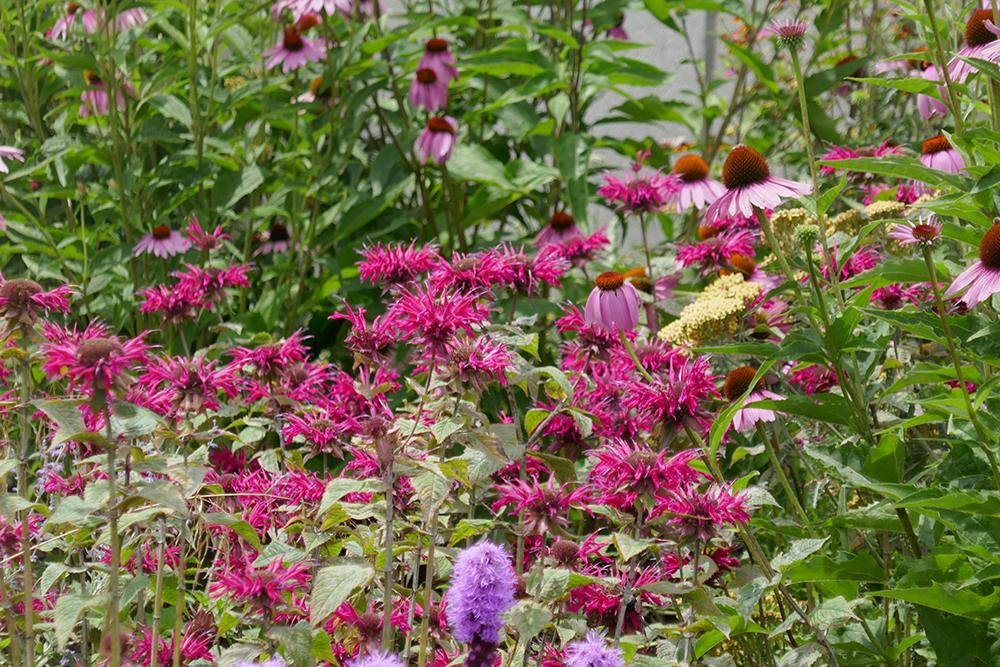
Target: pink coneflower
x,y
525,272
95,97
789,32
64,24
613,304
930,107
980,42
431,320
638,193
561,228
844,153
130,18
737,382
92,359
982,279
701,514
427,91
294,51
437,140
275,239
938,153
750,185
23,301
543,506
162,242
203,240
715,250
395,264
752,273
11,153
924,232
693,187
437,57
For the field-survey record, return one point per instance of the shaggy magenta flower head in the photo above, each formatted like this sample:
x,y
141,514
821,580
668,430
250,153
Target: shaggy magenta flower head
x,y
561,228
431,319
593,651
394,264
479,362
10,153
525,272
373,342
929,107
736,384
981,280
482,589
924,232
613,304
626,471
714,251
93,360
675,399
863,259
294,51
427,91
701,514
23,301
186,385
845,153
437,57
437,140
203,240
476,272
981,41
938,153
376,659
542,505
583,249
749,186
162,242
693,188
638,193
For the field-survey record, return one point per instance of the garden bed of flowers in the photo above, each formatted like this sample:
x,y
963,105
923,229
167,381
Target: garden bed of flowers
x,y
338,333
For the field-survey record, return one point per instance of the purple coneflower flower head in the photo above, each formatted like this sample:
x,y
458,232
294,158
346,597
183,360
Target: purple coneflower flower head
x,y
64,24
924,232
981,280
95,97
92,359
938,153
437,140
376,659
482,589
593,651
980,42
701,514
736,384
427,91
692,186
790,33
394,264
275,239
10,153
930,107
561,228
294,51
613,304
438,58
162,242
23,301
747,265
750,185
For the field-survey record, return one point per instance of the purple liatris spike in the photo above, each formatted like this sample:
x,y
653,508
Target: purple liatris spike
x,y
482,589
593,652
376,659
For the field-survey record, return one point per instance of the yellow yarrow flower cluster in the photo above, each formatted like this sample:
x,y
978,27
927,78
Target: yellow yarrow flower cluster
x,y
715,314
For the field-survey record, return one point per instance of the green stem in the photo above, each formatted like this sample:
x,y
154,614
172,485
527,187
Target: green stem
x,y
779,471
942,65
154,658
387,568
24,490
116,547
635,360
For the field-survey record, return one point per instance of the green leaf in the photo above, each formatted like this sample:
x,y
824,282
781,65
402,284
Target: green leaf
x,y
885,462
296,643
630,547
821,568
171,107
831,408
899,167
333,585
469,528
166,495
528,618
69,607
76,512
949,598
238,526
472,162
232,186
798,551
338,488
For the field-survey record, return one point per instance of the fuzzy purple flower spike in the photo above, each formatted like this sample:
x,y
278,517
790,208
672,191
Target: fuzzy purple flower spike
x,y
593,652
482,589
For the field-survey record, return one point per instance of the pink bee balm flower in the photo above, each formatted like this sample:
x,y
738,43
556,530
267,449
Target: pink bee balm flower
x,y
583,249
396,264
613,303
162,242
938,153
716,248
561,228
693,187
845,153
203,240
524,272
91,359
982,279
980,42
438,58
436,140
431,319
479,363
24,301
638,193
11,153
543,506
701,514
294,51
186,385
925,232
427,91
625,470
736,384
930,107
750,185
